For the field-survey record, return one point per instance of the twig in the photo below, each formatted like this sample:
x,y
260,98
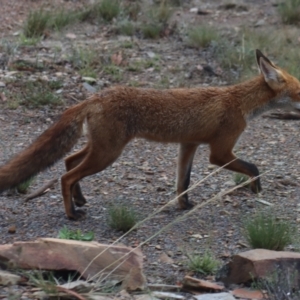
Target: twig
x,y
70,292
41,190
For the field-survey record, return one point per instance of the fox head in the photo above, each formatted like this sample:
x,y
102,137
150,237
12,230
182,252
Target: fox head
x,y
286,86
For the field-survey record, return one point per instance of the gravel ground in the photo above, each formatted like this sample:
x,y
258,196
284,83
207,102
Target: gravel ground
x,y
144,176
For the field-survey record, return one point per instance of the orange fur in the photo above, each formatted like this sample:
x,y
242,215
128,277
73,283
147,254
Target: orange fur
x,y
214,115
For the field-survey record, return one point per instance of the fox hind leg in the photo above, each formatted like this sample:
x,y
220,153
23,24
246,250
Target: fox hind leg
x,y
71,162
95,161
185,161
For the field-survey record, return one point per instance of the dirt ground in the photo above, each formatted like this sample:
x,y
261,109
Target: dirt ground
x,y
144,176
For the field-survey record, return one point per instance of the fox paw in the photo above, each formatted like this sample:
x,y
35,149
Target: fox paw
x,y
77,215
79,201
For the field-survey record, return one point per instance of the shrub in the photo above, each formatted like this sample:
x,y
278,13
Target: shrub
x,y
36,23
108,9
202,36
289,11
266,232
205,264
121,218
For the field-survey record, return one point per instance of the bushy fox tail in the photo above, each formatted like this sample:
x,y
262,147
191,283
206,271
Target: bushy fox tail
x,y
49,147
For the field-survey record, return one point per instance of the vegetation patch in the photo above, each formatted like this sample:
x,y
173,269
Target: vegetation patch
x,y
68,234
289,11
122,218
265,231
201,36
205,264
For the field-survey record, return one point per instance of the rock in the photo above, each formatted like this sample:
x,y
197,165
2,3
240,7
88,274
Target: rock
x,y
7,278
217,296
90,259
247,294
12,229
167,295
165,259
257,263
89,88
192,284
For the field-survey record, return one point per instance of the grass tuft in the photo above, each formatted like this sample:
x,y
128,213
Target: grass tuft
x,y
126,27
205,264
77,235
36,23
122,218
202,36
289,11
23,187
108,9
266,232
239,178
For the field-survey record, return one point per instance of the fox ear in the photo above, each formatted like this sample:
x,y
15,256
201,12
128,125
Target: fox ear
x,y
270,72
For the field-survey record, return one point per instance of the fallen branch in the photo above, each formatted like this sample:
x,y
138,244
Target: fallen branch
x,y
42,190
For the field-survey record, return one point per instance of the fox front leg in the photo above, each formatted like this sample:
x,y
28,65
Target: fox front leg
x,y
185,161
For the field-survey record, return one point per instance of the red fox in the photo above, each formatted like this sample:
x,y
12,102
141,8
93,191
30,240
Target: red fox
x,y
212,115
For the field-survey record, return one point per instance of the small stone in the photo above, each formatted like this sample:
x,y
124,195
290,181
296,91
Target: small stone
x,y
248,294
194,10
89,88
7,278
12,229
71,36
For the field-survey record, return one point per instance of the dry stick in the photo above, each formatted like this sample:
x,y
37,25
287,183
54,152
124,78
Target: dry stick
x,y
41,190
181,218
70,292
156,212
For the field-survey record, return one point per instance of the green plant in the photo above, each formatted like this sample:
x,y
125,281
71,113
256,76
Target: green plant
x,y
289,11
132,10
240,178
22,188
108,9
266,232
28,41
46,281
68,234
201,36
38,93
36,23
151,30
205,264
126,27
114,71
162,13
85,61
121,218
62,18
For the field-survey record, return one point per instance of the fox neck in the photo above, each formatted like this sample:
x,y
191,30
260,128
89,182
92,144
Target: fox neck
x,y
256,97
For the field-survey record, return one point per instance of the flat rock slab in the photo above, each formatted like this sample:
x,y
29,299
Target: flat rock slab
x,y
88,258
193,284
258,263
217,296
